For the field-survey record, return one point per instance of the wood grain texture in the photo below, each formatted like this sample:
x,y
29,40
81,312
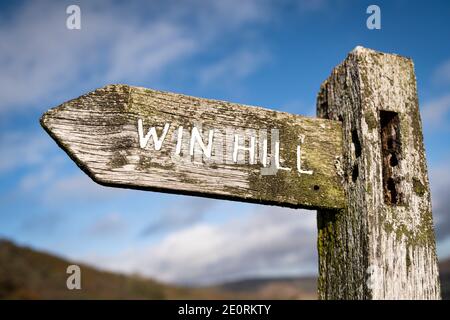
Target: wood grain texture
x,y
382,246
99,131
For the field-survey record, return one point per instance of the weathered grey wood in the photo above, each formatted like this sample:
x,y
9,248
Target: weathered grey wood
x,y
382,246
99,131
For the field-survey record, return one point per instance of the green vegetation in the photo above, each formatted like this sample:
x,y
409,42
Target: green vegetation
x,y
29,274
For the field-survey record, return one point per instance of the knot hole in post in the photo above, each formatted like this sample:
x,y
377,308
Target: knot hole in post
x,y
390,154
357,148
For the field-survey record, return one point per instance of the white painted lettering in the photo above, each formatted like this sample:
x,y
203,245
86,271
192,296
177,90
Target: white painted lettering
x,y
157,142
195,136
250,149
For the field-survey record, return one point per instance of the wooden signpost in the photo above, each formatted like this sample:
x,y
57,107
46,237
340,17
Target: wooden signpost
x,y
361,164
141,138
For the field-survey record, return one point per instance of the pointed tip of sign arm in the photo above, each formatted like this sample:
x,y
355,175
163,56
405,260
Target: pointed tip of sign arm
x,y
44,121
99,132
51,117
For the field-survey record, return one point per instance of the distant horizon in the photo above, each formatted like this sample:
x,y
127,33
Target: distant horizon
x,y
187,285
231,280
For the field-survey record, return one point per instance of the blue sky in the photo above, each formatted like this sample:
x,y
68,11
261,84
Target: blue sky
x,y
267,53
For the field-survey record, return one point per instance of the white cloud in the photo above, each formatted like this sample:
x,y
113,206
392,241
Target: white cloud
x,y
440,195
42,175
216,16
235,66
312,5
42,223
148,50
37,55
46,176
172,218
52,187
272,241
442,73
40,58
112,224
76,187
436,111
19,149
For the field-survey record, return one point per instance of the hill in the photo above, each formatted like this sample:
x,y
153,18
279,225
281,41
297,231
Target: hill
x,y
30,274
273,288
444,272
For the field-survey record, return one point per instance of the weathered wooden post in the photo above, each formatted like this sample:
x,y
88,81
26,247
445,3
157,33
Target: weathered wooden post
x,y
363,167
382,245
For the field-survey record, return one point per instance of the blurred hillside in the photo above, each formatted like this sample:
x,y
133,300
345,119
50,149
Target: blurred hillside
x,y
29,274
444,271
